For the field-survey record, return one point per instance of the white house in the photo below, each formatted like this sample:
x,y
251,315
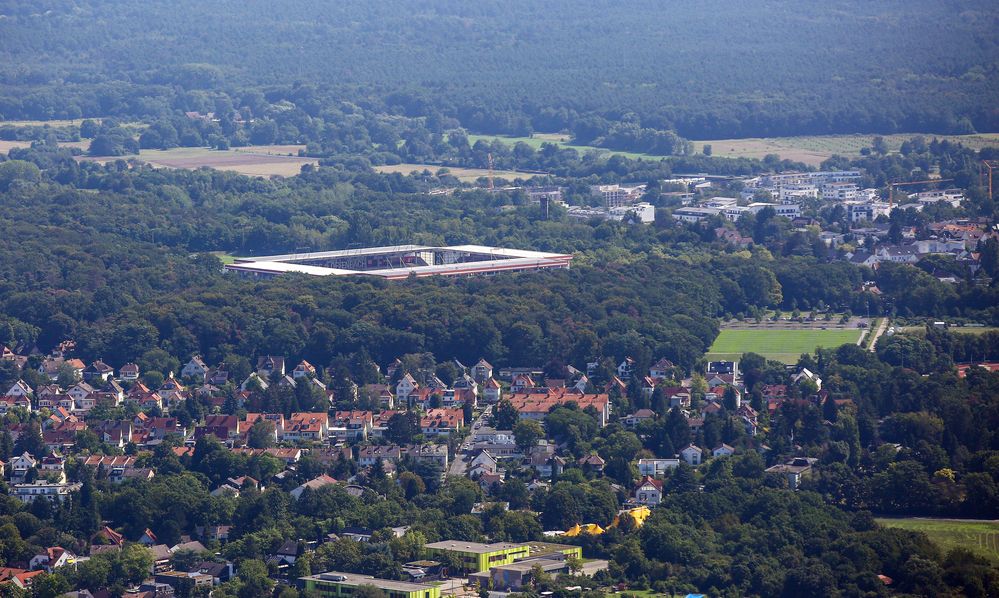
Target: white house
x,y
195,368
806,374
656,468
254,381
407,384
624,368
661,370
303,369
52,559
722,450
80,391
691,454
484,461
492,392
649,492
482,371
19,466
19,389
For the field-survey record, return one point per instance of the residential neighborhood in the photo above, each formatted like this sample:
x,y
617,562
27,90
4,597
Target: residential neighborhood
x,y
495,428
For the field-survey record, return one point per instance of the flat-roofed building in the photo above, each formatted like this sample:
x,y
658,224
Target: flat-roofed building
x,y
335,584
476,556
695,214
517,575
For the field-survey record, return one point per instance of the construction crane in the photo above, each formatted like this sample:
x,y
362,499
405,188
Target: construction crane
x,y
985,168
490,157
891,189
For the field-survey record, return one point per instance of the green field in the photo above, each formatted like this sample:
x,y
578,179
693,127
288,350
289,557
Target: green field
x,y
226,258
780,345
981,537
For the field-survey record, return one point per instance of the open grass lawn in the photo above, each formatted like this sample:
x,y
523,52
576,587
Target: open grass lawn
x,y
814,149
981,537
252,161
780,345
465,175
226,258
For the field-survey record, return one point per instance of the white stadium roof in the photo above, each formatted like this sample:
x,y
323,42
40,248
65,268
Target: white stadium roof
x,y
494,260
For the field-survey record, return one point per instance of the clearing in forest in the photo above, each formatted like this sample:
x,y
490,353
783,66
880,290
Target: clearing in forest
x,y
265,161
780,345
981,537
815,149
465,175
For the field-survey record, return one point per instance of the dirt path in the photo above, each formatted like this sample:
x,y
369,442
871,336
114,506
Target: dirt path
x,y
877,334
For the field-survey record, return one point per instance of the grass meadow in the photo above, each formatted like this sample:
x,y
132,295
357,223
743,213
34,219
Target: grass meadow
x,y
780,345
981,537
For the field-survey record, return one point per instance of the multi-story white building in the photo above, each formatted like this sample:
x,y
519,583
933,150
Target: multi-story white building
x,y
839,191
27,493
616,195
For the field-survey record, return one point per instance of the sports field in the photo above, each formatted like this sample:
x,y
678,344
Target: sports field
x,y
780,345
978,536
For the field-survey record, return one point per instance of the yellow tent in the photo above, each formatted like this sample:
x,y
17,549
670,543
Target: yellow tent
x,y
588,528
639,514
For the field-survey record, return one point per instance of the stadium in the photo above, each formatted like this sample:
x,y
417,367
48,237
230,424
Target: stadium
x,y
402,261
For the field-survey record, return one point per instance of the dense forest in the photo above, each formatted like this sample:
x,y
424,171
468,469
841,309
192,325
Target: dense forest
x,y
624,77
116,257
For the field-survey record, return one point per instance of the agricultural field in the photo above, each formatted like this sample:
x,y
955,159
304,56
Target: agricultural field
x,y
978,536
811,149
784,345
465,175
6,146
42,123
265,161
814,149
559,139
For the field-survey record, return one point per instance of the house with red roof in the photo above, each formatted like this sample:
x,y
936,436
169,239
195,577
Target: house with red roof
x,y
648,492
536,405
52,558
442,422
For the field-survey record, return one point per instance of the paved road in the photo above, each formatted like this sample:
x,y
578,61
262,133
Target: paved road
x,y
458,465
591,567
454,587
